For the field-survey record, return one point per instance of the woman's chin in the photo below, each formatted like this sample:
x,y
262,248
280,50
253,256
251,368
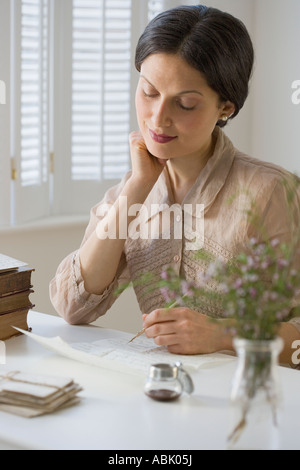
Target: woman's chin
x,y
162,157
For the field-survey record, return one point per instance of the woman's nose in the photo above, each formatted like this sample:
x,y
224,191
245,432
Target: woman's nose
x,y
161,115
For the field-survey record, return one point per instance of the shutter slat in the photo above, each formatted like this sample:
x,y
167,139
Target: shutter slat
x,y
34,92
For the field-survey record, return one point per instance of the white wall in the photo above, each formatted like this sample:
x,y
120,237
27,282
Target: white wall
x,y
276,120
240,129
268,126
43,247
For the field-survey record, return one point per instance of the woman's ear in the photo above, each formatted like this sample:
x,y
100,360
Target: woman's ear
x,y
227,109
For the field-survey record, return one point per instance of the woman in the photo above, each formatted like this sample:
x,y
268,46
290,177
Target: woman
x,y
195,64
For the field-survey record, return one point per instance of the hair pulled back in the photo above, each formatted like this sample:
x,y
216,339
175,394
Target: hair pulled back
x,y
215,43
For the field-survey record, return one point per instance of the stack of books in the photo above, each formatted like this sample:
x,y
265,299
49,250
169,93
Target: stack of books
x,y
15,289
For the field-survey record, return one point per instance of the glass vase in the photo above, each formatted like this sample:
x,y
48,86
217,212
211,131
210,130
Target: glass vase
x,y
256,397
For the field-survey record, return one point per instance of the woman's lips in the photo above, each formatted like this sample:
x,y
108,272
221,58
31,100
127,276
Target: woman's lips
x,y
160,138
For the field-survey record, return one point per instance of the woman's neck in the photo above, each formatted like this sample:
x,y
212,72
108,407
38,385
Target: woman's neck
x,y
183,171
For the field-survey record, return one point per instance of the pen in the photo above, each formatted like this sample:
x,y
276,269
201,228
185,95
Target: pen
x,y
140,333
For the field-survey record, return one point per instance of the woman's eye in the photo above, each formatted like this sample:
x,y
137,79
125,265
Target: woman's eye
x,y
150,95
155,94
186,108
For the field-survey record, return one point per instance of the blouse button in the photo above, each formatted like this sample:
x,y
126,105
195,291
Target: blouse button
x,y
176,258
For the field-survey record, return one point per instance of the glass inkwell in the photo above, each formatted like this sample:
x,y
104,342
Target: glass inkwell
x,y
166,382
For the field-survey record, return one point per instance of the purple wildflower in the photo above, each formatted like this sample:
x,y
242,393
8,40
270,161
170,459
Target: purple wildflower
x,y
252,292
282,263
238,283
275,242
187,288
165,293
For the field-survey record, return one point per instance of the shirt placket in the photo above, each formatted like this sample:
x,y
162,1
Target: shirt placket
x,y
177,243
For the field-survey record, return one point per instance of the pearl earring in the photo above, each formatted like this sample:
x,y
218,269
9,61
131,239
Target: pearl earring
x,y
224,118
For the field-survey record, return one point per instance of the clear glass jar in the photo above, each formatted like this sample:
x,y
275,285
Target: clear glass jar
x,y
256,396
166,382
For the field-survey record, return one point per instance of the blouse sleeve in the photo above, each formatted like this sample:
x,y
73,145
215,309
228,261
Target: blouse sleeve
x,y
281,219
67,290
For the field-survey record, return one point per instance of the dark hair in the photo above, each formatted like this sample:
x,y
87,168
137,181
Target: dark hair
x,y
215,43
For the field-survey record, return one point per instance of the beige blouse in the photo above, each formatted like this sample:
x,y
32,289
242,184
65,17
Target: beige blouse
x,y
225,187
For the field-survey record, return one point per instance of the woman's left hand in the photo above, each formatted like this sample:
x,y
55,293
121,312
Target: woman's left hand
x,y
185,331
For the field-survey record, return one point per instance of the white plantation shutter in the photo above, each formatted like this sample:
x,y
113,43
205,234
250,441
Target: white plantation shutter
x,y
96,109
87,59
30,114
101,88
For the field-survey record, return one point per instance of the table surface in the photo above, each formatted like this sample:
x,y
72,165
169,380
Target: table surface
x,y
114,412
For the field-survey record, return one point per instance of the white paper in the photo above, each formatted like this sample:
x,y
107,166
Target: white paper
x,y
39,386
7,263
119,355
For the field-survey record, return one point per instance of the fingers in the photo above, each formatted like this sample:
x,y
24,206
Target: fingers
x,y
160,315
180,329
135,136
136,141
163,325
185,331
138,145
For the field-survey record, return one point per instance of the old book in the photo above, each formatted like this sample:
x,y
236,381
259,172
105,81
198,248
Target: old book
x,y
16,280
10,320
19,300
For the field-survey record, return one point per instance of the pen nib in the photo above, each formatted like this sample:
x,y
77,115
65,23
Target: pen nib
x,y
136,336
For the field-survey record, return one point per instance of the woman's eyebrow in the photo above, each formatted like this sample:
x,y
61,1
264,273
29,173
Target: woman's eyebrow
x,y
180,93
190,91
143,76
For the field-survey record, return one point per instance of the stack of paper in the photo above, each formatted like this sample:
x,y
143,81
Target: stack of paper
x,y
30,395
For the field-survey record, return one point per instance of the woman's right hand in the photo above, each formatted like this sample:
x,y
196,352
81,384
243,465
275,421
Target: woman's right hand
x,y
145,167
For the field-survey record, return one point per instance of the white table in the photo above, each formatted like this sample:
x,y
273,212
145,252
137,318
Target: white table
x,y
115,414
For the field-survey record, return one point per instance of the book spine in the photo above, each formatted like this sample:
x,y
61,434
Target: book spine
x,y
19,309
8,321
16,282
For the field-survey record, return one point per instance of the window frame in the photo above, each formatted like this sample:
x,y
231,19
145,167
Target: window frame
x,y
5,115
29,202
59,195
